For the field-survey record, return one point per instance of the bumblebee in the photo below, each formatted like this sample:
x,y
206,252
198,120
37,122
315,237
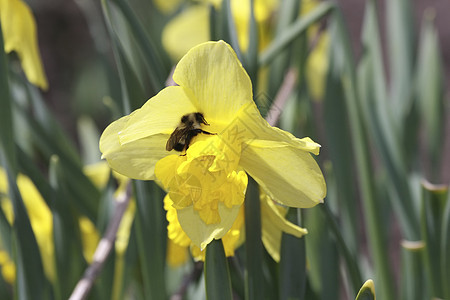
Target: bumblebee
x,y
189,127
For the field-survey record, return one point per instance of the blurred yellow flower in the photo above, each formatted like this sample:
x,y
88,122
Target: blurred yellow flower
x,y
19,35
191,26
167,6
207,183
8,268
317,67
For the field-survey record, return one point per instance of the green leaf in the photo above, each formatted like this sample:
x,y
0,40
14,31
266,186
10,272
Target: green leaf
x,y
217,275
69,261
349,257
30,278
371,207
6,123
294,30
233,36
414,281
400,37
132,93
251,57
337,134
253,243
152,57
433,205
151,238
81,190
367,291
379,122
288,13
292,277
445,250
430,90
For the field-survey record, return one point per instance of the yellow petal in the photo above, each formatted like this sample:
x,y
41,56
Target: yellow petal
x,y
161,114
273,225
231,240
135,160
217,80
259,133
186,30
174,230
19,34
289,175
202,234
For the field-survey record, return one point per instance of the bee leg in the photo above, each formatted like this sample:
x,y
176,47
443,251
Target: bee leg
x,y
207,132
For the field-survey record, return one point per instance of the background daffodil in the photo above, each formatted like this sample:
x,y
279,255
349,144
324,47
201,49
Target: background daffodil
x,y
191,27
207,185
19,34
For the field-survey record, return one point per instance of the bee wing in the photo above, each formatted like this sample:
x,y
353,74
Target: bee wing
x,y
177,136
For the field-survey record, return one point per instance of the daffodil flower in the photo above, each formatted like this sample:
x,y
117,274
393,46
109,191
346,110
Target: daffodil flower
x,y
207,183
19,35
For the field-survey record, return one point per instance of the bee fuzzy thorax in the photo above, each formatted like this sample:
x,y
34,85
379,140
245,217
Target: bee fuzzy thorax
x,y
189,127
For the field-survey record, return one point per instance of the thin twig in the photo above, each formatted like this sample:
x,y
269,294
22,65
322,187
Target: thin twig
x,y
104,248
282,96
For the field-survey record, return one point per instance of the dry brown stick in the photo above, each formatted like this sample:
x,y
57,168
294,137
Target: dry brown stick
x,y
282,96
104,248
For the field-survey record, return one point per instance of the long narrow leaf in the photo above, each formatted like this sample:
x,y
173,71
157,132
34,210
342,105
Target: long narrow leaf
x,y
367,291
377,238
293,263
253,243
217,275
297,28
